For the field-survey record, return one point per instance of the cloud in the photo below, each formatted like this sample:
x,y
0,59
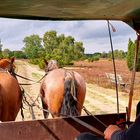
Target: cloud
x,y
93,34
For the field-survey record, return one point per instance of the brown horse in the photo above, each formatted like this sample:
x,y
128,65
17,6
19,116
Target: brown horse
x,y
10,92
62,91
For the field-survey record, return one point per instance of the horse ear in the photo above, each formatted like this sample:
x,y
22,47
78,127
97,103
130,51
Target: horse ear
x,y
46,62
12,60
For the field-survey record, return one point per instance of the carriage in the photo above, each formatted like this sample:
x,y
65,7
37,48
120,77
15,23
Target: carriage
x,y
69,127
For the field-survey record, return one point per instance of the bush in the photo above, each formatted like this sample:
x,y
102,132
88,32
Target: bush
x,y
33,61
95,58
41,63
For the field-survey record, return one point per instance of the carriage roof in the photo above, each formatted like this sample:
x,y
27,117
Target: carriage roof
x,y
124,10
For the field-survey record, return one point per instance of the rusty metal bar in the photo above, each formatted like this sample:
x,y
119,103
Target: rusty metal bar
x,y
53,129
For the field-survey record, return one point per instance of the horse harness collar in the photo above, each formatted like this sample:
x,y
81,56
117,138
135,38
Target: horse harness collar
x,y
3,70
6,70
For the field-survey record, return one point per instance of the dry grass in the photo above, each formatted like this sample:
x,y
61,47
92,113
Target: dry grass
x,y
94,72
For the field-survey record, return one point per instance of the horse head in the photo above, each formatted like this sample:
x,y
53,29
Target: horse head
x,y
50,65
8,64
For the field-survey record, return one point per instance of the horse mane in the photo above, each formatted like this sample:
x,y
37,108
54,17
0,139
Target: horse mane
x,y
51,65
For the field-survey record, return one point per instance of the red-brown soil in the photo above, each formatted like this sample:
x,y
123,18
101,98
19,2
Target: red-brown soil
x,y
94,72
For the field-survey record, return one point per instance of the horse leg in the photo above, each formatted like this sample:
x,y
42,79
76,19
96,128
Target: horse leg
x,y
44,105
45,109
0,107
138,109
21,98
22,113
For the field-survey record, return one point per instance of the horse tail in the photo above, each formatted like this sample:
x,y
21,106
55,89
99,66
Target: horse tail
x,y
69,103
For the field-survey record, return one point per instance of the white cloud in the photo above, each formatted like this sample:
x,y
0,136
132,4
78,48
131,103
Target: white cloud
x,y
93,34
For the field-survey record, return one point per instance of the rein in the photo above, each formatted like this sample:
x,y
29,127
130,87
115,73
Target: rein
x,y
30,105
34,82
89,113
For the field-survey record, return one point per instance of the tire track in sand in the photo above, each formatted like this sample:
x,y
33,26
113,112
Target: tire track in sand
x,y
32,72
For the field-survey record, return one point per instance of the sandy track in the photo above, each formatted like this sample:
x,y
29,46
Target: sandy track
x,y
98,100
31,91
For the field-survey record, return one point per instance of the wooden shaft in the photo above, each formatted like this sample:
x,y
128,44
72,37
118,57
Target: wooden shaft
x,y
133,78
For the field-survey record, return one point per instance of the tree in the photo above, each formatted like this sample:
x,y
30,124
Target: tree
x,y
130,54
138,61
19,54
118,54
78,50
69,50
63,49
50,41
6,53
33,48
104,54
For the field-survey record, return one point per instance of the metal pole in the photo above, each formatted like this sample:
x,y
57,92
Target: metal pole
x,y
114,66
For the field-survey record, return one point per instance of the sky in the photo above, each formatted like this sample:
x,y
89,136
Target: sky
x,y
93,33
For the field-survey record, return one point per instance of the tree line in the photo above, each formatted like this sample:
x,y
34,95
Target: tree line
x,y
53,46
131,55
64,49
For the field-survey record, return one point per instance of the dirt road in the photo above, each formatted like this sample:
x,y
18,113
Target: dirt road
x,y
31,91
98,100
